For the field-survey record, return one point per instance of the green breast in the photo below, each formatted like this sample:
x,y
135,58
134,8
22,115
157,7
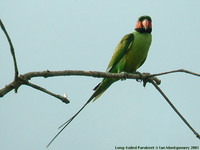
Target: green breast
x,y
138,51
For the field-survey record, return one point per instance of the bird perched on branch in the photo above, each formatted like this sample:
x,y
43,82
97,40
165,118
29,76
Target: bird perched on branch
x,y
129,55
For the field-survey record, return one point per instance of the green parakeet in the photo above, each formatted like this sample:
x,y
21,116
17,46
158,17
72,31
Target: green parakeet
x,y
129,55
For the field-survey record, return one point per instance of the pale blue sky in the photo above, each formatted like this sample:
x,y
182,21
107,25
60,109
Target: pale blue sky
x,y
68,34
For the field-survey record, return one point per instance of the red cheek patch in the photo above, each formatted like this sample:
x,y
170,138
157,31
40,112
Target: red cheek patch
x,y
138,25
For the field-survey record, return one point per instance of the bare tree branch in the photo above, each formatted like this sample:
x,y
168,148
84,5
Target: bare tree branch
x,y
97,74
175,71
11,49
145,77
8,88
18,81
62,98
23,79
174,108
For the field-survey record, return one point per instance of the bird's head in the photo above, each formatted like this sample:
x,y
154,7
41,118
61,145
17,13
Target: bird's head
x,y
144,25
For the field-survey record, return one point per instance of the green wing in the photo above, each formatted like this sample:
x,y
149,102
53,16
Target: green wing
x,y
120,51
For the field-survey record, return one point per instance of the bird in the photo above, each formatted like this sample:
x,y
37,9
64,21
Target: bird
x,y
130,53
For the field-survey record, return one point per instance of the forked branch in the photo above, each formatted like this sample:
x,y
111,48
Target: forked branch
x,y
24,79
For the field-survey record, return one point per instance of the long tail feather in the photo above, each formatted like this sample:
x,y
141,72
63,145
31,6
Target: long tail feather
x,y
100,89
64,125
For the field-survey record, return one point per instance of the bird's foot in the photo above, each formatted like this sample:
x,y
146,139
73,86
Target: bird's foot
x,y
141,77
125,74
145,78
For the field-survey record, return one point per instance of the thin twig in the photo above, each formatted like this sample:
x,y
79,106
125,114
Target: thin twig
x,y
175,71
174,108
11,49
62,98
23,81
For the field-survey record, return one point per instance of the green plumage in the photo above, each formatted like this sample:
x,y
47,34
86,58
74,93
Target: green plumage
x,y
129,55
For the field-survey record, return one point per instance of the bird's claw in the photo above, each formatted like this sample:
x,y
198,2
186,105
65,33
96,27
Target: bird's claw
x,y
125,74
141,77
145,78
